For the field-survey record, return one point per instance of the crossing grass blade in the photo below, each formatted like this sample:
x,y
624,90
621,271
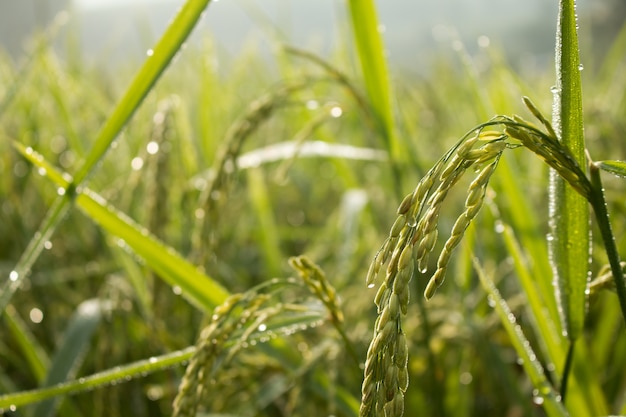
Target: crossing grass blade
x,y
204,292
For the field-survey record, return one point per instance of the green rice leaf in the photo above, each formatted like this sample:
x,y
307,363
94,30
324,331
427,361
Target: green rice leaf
x,y
36,356
617,168
371,54
288,324
71,352
119,373
156,62
569,212
204,292
544,393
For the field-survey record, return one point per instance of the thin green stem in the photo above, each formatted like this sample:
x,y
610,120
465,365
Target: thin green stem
x,y
598,203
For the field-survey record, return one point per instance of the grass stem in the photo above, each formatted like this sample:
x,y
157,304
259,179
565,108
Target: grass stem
x,y
598,203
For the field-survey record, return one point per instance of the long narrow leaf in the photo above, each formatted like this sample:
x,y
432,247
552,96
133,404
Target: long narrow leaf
x,y
371,53
569,212
545,394
36,357
70,354
157,61
287,324
201,290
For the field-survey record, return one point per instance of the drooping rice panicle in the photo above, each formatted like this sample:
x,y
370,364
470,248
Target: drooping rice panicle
x,y
414,235
237,312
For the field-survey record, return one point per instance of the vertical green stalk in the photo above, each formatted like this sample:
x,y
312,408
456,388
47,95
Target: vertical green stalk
x,y
602,216
373,63
371,55
569,212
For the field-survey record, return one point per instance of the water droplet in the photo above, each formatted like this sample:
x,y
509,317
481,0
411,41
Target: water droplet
x,y
580,67
152,147
13,275
42,171
61,191
136,164
538,400
150,52
554,89
177,290
36,315
336,111
490,301
47,245
499,226
484,41
371,285
465,378
262,327
152,360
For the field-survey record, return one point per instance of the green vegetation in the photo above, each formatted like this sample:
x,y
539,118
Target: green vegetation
x,y
197,239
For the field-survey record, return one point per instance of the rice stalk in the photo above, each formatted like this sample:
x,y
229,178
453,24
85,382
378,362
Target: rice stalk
x,y
414,235
239,310
213,196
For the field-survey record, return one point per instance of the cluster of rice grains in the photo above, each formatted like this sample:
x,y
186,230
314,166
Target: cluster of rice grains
x,y
240,313
414,235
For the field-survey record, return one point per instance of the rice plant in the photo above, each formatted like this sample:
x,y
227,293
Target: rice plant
x,y
194,241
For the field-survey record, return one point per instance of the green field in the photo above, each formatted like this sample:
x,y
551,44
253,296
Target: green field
x,y
193,234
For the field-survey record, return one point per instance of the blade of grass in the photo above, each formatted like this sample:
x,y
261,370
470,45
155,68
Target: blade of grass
x,y
70,353
550,338
569,212
289,324
116,374
371,53
545,394
157,61
204,292
36,356
604,224
267,229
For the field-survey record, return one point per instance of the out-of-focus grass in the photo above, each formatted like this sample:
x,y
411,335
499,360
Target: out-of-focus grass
x,y
335,209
